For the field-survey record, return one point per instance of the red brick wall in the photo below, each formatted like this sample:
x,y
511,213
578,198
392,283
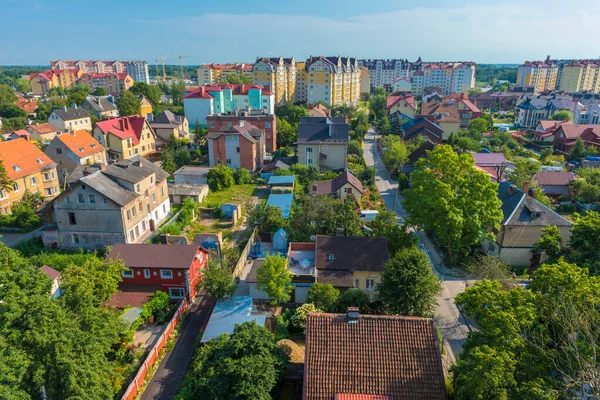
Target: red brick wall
x,y
258,121
219,150
247,154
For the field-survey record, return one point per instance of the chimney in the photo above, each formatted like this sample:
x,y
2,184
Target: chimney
x,y
526,187
352,315
102,167
241,123
512,189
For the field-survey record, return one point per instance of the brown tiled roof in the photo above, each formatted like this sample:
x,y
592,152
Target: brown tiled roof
x,y
392,356
361,397
51,272
21,158
336,277
557,178
132,294
45,128
154,255
350,253
332,185
81,143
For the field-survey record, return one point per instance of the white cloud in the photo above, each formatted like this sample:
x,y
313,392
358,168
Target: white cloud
x,y
507,32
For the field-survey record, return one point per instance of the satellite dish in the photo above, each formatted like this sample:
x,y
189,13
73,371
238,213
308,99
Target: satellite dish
x,y
313,238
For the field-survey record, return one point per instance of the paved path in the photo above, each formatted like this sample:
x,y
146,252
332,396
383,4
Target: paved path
x,y
13,239
172,369
452,323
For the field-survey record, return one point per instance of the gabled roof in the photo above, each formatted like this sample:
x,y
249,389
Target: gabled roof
x,y
135,169
549,125
573,131
413,128
167,118
488,159
124,127
100,103
20,158
420,152
50,272
557,178
109,188
523,210
44,128
81,143
154,255
317,129
71,114
333,185
247,131
350,253
391,101
382,357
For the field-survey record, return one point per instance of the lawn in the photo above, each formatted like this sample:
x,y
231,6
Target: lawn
x,y
238,194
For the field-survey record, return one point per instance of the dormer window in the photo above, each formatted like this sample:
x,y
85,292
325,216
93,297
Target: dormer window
x,y
330,257
39,160
81,149
16,168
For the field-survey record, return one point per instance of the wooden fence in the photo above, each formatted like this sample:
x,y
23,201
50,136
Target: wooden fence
x,y
135,385
239,267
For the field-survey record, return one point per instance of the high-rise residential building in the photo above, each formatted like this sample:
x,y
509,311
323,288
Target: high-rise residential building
x,y
570,76
450,77
278,74
300,82
42,82
216,74
113,82
137,69
332,80
541,75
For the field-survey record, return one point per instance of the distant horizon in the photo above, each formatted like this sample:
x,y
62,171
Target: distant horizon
x,y
197,65
485,32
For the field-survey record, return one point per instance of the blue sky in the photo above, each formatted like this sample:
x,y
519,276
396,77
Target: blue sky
x,y
485,31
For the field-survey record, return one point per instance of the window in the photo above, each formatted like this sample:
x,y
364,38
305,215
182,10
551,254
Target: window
x,y
309,161
33,181
212,124
141,207
133,212
177,293
164,208
128,215
309,149
127,273
356,283
151,179
58,151
16,187
3,194
228,161
137,188
137,231
162,191
154,197
68,200
75,238
370,284
92,199
330,257
80,198
50,191
147,273
148,208
166,274
131,235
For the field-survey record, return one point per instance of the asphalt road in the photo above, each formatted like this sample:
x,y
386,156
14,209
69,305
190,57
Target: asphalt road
x,y
173,367
451,322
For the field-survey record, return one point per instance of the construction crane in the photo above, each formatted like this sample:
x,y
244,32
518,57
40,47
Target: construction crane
x,y
156,65
163,58
181,57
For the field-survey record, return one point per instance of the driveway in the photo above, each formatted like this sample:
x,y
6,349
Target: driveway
x,y
451,322
172,369
13,239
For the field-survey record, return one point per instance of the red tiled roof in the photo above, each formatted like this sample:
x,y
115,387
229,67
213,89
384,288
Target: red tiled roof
x,y
556,178
361,397
81,143
390,101
471,106
44,128
154,255
132,294
27,106
21,158
392,356
552,125
124,127
51,272
22,133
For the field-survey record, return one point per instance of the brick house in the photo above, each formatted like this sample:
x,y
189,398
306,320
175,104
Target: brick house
x,y
566,135
238,146
259,118
174,269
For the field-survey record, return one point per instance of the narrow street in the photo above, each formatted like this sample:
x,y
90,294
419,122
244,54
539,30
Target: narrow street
x,y
451,322
173,367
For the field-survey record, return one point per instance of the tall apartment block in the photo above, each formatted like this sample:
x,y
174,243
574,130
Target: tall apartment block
x,y
216,74
450,77
278,74
138,70
570,76
332,80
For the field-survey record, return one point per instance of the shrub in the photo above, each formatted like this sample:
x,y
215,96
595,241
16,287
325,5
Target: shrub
x,y
156,306
323,296
367,176
242,176
220,178
298,321
353,298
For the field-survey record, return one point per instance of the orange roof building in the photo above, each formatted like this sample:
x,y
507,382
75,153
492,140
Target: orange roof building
x,y
29,169
70,150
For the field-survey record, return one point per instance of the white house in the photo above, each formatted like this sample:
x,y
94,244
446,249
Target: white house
x,y
54,277
70,119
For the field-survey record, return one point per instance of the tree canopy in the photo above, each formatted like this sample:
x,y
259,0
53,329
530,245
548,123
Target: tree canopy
x,y
220,178
217,280
562,115
291,113
238,78
408,285
584,241
323,296
453,200
129,104
7,95
274,278
151,92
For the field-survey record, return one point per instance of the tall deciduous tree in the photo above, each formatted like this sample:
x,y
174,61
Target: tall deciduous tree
x,y
562,115
408,285
584,241
151,92
523,171
217,280
578,151
398,237
291,113
453,200
23,85
286,133
323,296
274,278
7,95
487,266
129,104
550,243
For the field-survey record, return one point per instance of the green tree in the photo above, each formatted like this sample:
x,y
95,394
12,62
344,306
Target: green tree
x,y
352,298
290,113
298,320
487,266
246,365
562,115
578,151
550,243
151,92
76,97
167,159
584,241
129,104
395,154
273,219
523,171
220,178
323,296
408,285
217,280
177,90
7,95
238,78
274,278
355,148
22,85
396,127
100,91
242,176
453,200
182,157
398,237
6,183
477,126
12,111
383,124
287,134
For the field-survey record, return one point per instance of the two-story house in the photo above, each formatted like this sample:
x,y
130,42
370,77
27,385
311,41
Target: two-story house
x,y
70,119
122,203
174,269
125,137
168,124
341,187
259,118
238,146
43,132
72,149
401,107
323,142
29,169
101,106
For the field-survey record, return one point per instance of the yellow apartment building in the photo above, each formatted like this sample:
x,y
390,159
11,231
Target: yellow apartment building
x,y
279,74
42,82
332,80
